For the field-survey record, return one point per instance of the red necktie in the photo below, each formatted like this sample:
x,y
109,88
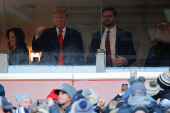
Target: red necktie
x,y
60,38
108,51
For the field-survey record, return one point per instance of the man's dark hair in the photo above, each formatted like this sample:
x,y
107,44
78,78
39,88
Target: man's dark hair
x,y
110,9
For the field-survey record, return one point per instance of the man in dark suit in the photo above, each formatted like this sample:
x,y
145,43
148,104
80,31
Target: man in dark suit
x,y
118,43
60,45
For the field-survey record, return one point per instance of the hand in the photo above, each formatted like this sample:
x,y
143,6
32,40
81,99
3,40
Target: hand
x,y
120,60
40,30
50,102
121,93
102,103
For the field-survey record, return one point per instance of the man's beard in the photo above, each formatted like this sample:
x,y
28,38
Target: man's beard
x,y
109,25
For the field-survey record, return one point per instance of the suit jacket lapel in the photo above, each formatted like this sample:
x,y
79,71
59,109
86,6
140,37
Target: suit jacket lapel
x,y
66,37
55,38
100,37
54,31
118,34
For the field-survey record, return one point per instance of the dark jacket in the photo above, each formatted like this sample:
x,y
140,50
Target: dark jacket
x,y
66,110
106,109
125,108
165,94
59,108
158,55
147,101
19,56
48,43
2,90
53,109
124,46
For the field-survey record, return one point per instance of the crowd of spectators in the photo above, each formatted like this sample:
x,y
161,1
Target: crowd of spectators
x,y
140,97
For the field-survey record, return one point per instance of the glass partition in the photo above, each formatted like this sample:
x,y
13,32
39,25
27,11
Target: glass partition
x,y
83,16
2,24
138,18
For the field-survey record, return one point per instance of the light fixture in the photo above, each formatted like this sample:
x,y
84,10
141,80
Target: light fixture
x,y
35,55
26,6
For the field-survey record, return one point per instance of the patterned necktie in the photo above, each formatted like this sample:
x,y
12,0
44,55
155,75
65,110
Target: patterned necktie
x,y
60,37
108,51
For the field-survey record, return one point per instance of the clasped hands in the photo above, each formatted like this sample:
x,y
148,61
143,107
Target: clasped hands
x,y
120,60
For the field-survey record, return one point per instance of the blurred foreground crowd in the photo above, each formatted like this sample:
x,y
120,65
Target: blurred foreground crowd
x,y
151,97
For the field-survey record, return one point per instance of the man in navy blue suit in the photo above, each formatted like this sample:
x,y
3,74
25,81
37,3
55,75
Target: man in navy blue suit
x,y
60,45
118,43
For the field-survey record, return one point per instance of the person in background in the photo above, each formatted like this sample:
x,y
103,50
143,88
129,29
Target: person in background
x,y
44,106
159,54
83,105
65,95
140,97
2,90
93,98
164,81
60,45
120,98
21,110
153,89
52,95
5,105
23,100
19,54
117,42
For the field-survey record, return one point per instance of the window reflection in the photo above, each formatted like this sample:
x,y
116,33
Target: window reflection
x,y
136,17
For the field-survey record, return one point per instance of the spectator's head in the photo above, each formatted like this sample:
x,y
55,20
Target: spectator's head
x,y
84,106
138,89
162,32
53,95
16,38
23,100
168,111
109,17
165,103
141,79
73,107
5,105
164,80
112,106
91,95
2,91
77,96
60,17
152,88
139,109
65,94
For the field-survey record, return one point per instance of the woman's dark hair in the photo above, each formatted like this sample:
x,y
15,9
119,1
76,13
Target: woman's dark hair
x,y
20,37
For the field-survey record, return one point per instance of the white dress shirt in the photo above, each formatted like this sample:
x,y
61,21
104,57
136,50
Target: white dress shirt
x,y
112,38
63,33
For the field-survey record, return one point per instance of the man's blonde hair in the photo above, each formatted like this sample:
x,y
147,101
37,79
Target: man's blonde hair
x,y
60,10
164,30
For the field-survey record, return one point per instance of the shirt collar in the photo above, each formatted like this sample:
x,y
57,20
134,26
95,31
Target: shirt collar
x,y
111,30
64,29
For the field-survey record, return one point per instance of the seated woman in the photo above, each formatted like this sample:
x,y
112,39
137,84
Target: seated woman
x,y
159,54
19,54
